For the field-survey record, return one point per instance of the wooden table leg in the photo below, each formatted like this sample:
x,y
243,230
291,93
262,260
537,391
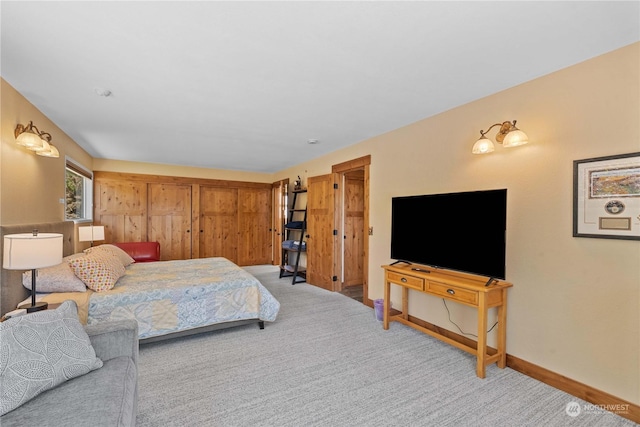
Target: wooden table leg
x,y
405,303
387,305
481,352
502,331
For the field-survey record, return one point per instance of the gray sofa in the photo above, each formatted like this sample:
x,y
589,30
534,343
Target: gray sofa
x,y
104,397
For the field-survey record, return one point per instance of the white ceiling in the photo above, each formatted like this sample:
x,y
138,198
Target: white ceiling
x,y
243,85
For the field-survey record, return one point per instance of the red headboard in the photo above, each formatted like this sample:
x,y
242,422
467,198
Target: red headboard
x,y
141,251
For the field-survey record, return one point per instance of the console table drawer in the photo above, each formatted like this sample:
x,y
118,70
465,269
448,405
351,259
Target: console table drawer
x,y
453,292
407,281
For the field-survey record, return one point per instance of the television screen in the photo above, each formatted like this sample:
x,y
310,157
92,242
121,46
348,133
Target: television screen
x,y
458,231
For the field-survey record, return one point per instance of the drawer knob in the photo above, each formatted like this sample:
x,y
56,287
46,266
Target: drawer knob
x,y
451,292
403,280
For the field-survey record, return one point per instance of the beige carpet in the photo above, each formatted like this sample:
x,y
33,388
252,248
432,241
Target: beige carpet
x,y
326,361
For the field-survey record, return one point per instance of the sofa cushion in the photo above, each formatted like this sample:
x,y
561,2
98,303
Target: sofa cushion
x,y
106,397
41,350
98,270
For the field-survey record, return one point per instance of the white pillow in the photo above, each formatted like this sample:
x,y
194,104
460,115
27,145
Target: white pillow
x,y
40,351
59,278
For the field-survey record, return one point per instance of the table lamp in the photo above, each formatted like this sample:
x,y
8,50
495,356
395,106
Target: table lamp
x,y
30,251
91,233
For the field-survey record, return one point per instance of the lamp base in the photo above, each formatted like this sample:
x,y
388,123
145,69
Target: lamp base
x,y
40,305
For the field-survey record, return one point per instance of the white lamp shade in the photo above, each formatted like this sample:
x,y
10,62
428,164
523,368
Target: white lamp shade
x,y
26,251
515,138
483,146
91,233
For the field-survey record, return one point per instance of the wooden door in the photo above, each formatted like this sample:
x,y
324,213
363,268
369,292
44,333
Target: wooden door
x,y
169,220
254,225
121,206
278,217
353,238
321,240
219,222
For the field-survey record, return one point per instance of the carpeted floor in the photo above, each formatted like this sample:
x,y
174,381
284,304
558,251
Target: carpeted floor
x,y
326,361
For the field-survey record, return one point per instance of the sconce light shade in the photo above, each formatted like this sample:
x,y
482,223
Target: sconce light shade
x,y
29,139
515,138
49,150
483,146
91,233
508,135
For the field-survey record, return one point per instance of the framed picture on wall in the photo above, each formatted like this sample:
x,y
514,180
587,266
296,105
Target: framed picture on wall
x,y
606,197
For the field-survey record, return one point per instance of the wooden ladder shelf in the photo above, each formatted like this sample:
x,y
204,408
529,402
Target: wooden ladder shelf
x,y
293,247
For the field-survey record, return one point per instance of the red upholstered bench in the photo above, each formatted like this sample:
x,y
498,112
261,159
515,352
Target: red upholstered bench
x,y
141,251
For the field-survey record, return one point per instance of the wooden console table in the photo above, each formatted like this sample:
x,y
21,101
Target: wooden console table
x,y
462,288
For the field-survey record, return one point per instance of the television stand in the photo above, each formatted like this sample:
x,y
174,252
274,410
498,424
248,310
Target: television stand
x,y
467,289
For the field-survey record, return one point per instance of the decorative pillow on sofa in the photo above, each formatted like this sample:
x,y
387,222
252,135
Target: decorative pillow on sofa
x,y
41,350
99,270
122,255
59,278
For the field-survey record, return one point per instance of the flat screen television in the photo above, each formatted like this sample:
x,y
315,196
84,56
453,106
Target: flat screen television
x,y
457,231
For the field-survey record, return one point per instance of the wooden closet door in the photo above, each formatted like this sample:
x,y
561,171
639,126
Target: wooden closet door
x,y
169,207
353,268
121,206
254,222
321,243
219,222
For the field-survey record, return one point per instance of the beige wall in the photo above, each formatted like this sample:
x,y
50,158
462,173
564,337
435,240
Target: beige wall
x,y
575,304
31,186
184,171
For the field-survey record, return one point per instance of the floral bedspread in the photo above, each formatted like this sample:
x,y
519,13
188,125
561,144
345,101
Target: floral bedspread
x,y
171,296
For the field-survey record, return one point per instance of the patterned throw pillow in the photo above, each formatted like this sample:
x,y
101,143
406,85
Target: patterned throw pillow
x,y
59,278
99,270
123,256
41,350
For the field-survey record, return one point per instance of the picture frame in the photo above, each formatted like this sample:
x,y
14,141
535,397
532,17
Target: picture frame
x,y
606,197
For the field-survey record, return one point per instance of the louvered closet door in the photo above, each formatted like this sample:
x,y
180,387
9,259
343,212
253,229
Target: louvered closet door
x,y
219,222
169,207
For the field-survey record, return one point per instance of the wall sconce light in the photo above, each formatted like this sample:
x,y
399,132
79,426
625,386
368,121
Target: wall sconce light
x,y
33,139
508,135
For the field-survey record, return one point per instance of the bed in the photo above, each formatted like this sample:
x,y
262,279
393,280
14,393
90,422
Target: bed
x,y
166,298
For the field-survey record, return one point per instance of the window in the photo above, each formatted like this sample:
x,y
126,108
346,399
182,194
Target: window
x,y
78,192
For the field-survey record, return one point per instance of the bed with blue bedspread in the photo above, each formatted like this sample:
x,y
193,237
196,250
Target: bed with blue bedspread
x,y
174,298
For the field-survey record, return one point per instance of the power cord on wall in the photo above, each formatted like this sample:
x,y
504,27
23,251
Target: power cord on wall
x,y
461,331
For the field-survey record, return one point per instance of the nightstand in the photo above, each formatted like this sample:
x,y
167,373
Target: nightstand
x,y
51,306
